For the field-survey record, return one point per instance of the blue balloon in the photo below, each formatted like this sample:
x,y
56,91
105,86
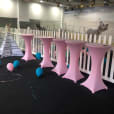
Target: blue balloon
x,y
104,60
0,62
16,63
87,50
39,72
68,66
38,56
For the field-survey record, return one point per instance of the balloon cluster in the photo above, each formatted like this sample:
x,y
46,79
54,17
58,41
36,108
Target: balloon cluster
x,y
39,71
11,66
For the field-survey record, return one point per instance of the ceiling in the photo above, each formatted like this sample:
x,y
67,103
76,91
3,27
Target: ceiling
x,y
74,4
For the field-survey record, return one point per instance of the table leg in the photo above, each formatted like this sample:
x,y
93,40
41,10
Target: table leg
x,y
94,82
61,67
28,54
73,72
46,62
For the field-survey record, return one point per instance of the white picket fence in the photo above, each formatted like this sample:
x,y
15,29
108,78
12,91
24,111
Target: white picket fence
x,y
85,60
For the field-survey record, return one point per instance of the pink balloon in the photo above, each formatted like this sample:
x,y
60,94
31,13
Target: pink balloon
x,y
10,67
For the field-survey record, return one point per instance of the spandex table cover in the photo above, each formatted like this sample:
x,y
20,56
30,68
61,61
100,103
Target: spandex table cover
x,y
28,54
61,67
46,62
94,82
73,72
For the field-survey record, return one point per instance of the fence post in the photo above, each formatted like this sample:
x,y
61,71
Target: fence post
x,y
112,68
95,38
110,40
104,39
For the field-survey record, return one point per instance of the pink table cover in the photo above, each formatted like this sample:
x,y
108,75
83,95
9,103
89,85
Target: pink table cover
x,y
28,54
73,72
46,62
61,67
94,82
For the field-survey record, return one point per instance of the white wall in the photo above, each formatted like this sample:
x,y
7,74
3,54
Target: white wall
x,y
81,20
46,14
89,17
23,11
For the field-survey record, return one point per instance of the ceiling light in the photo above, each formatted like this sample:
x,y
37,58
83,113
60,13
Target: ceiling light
x,y
41,1
6,4
81,6
36,8
55,11
61,5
